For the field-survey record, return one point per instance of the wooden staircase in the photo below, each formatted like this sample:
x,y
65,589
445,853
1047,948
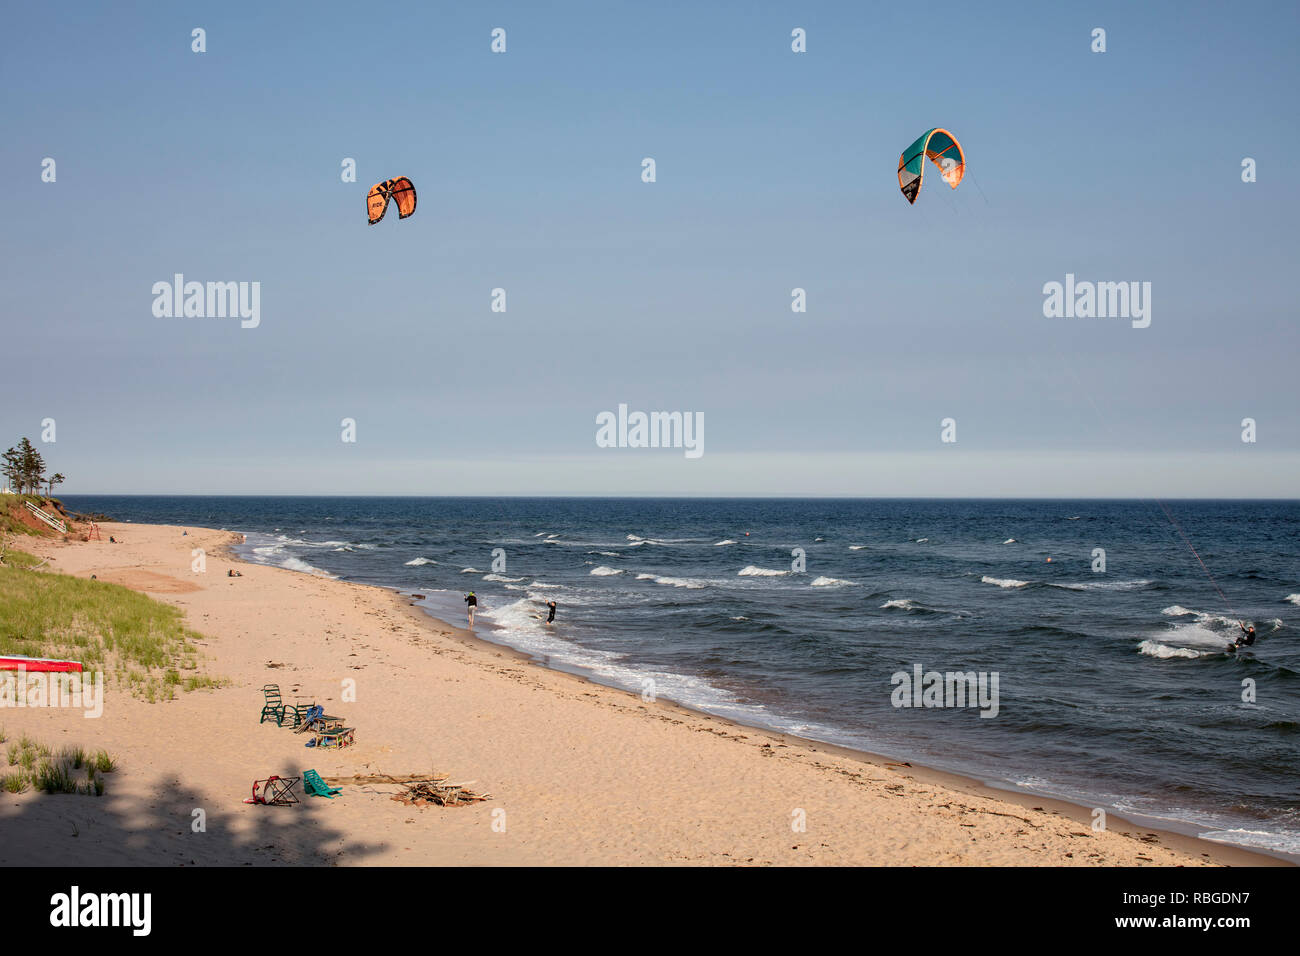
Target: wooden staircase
x,y
55,523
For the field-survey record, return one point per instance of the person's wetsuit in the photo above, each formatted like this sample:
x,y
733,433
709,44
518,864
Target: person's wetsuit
x,y
1247,638
551,618
471,600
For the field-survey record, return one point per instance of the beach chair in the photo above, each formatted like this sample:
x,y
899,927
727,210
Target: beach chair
x,y
315,719
314,786
274,791
272,706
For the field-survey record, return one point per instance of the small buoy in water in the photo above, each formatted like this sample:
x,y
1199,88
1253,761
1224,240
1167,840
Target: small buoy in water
x,y
746,534
1049,560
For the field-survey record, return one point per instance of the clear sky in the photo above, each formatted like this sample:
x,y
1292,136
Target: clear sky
x,y
775,170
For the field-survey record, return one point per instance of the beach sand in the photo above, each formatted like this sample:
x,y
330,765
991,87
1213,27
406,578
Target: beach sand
x,y
578,773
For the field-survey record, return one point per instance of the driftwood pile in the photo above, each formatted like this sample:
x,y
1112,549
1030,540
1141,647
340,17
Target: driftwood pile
x,y
421,793
417,789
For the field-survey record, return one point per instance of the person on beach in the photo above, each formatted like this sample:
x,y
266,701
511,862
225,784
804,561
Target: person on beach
x,y
1247,637
472,602
551,618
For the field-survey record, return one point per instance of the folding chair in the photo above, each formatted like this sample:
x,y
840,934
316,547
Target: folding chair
x,y
274,791
314,786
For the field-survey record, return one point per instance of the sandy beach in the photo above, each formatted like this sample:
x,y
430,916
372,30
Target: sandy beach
x,y
578,773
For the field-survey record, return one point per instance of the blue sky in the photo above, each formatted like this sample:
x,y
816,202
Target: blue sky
x,y
775,170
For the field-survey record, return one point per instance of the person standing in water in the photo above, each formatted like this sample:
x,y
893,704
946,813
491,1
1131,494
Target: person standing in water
x,y
472,602
551,618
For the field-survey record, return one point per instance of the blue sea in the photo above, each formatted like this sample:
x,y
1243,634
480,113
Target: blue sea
x,y
1114,686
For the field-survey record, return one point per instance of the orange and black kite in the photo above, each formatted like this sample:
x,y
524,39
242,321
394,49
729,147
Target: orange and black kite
x,y
401,190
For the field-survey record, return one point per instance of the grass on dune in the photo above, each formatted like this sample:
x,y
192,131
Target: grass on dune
x,y
33,764
131,638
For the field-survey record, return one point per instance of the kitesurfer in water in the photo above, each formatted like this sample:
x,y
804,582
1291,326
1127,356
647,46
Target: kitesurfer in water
x,y
551,619
1247,637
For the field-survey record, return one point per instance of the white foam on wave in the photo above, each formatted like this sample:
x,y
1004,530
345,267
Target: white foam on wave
x,y
1103,585
603,571
297,564
1165,651
500,577
607,554
718,544
825,582
470,571
856,547
1004,582
1202,617
1009,541
903,604
753,571
419,562
922,540
1292,598
694,583
522,627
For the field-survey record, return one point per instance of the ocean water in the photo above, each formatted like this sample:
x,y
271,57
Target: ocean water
x,y
1114,688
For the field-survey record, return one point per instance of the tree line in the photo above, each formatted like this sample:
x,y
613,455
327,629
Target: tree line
x,y
24,470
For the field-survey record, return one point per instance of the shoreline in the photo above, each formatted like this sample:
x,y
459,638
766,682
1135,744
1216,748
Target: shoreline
x,y
1227,853
584,772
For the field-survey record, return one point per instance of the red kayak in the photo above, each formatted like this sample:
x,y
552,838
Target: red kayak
x,y
13,662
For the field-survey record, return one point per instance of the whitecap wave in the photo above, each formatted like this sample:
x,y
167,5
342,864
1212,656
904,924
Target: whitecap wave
x,y
1004,582
902,604
603,571
825,582
752,571
693,583
418,562
1164,651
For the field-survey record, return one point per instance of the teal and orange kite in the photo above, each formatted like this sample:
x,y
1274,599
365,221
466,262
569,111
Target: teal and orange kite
x,y
943,150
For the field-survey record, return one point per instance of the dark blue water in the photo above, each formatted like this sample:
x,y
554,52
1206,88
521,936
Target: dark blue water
x,y
1114,688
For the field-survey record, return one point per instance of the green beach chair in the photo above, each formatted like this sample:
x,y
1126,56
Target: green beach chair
x,y
272,706
314,786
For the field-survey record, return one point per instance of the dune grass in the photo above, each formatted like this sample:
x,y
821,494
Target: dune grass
x,y
132,639
72,770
